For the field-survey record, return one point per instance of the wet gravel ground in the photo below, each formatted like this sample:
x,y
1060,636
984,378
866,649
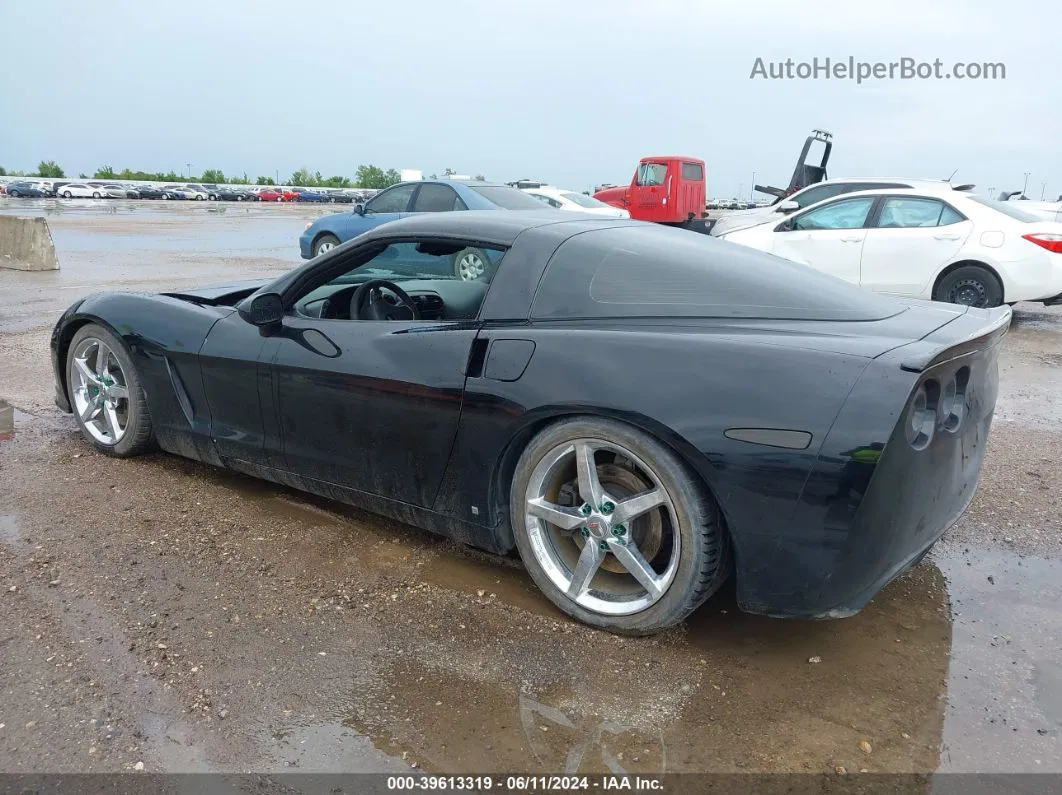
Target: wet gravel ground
x,y
162,613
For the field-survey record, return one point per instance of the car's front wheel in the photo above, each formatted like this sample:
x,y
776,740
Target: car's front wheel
x,y
106,395
96,194
614,528
325,242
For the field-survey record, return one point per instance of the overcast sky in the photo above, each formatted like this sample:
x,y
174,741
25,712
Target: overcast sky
x,y
569,91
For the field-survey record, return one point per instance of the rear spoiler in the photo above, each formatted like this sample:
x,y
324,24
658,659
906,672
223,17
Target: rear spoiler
x,y
985,337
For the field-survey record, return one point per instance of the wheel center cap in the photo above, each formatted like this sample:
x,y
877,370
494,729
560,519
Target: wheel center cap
x,y
598,526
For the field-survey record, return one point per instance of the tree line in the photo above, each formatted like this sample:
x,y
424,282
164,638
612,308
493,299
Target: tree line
x,y
366,176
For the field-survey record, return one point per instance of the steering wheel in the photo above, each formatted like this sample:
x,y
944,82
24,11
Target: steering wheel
x,y
368,302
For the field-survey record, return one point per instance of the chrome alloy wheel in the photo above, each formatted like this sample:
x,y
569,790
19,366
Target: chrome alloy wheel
x,y
614,549
100,391
470,266
325,245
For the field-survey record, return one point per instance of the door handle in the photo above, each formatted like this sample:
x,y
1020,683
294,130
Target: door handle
x,y
945,237
851,239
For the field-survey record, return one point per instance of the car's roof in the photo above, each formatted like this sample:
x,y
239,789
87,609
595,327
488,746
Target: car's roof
x,y
490,226
914,183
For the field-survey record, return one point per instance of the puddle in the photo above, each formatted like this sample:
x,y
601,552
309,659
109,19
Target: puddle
x,y
10,533
1005,679
488,578
457,692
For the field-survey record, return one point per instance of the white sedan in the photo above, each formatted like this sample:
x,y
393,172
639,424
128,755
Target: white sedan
x,y
79,190
575,202
942,245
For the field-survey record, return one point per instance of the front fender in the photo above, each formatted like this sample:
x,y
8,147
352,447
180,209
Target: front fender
x,y
163,336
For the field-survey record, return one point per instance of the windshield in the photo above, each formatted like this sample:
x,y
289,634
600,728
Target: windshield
x,y
583,200
1006,209
507,198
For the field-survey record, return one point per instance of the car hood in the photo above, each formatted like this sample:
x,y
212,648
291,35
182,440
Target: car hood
x,y
221,294
742,219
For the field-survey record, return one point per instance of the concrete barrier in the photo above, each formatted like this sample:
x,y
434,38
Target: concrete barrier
x,y
26,244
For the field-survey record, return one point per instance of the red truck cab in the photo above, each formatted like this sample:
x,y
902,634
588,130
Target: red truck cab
x,y
664,190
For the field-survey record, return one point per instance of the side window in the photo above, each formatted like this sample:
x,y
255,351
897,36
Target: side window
x,y
817,194
949,215
541,198
651,174
394,200
692,172
910,213
846,214
445,281
434,198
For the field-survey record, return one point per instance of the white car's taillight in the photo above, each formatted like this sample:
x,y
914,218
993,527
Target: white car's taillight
x,y
1052,243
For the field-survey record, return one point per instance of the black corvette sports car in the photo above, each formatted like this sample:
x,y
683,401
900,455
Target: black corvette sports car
x,y
637,411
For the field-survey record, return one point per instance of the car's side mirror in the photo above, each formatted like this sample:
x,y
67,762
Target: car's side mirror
x,y
788,206
265,311
359,208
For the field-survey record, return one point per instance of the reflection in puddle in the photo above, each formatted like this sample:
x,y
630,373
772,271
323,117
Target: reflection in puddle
x,y
7,422
1005,684
9,529
481,692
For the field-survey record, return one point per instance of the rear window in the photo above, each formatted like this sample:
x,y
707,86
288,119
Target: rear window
x,y
583,200
655,271
692,171
1006,208
507,198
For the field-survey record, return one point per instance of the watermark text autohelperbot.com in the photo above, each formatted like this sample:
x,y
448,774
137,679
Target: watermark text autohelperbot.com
x,y
861,71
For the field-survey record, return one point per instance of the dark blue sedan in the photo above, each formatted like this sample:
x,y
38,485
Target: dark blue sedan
x,y
425,196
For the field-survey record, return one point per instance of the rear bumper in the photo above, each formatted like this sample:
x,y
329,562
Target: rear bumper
x,y
881,495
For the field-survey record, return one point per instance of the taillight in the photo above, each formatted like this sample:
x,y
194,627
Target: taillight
x,y
1052,243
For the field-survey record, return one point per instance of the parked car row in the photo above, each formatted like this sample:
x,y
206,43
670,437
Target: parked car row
x,y
735,204
191,191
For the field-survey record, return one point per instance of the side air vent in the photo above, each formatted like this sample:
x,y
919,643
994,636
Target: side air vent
x,y
429,306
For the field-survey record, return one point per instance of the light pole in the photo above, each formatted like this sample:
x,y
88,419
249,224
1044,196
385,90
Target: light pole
x,y
189,170
991,192
1043,190
753,191
1023,187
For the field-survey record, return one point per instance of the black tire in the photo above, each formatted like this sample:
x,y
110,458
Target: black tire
x,y
139,437
704,562
970,285
325,238
13,194
67,195
488,267
96,194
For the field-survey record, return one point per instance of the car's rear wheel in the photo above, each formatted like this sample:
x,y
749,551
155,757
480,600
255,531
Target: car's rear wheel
x,y
614,528
67,194
105,393
970,285
325,242
471,264
95,194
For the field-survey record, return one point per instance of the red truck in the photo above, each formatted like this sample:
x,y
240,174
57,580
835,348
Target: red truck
x,y
671,189
664,190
